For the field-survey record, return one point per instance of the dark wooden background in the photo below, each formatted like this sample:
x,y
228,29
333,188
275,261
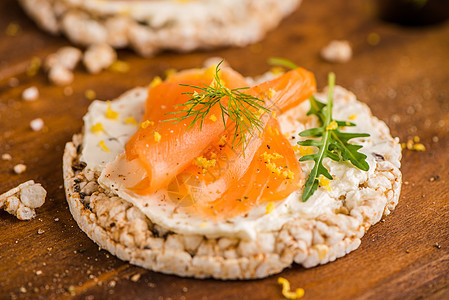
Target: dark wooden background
x,y
404,78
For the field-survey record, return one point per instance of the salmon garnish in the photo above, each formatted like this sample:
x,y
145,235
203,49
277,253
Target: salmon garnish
x,y
199,166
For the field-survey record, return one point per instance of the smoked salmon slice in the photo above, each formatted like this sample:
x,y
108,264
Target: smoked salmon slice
x,y
208,180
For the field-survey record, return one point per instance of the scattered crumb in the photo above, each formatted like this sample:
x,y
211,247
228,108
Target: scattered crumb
x,y
98,57
30,94
13,82
40,231
20,168
23,290
185,289
6,156
112,283
68,91
67,57
23,199
337,52
37,124
373,39
434,178
56,219
437,246
12,29
60,75
435,139
135,277
412,144
38,272
407,251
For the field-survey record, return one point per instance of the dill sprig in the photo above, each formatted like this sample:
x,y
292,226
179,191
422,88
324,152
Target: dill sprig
x,y
330,141
242,109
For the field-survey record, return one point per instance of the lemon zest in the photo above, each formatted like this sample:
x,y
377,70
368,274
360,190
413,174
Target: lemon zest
x,y
270,207
131,120
332,125
287,293
204,163
156,81
213,118
157,137
97,128
353,117
324,183
103,146
90,94
146,123
110,113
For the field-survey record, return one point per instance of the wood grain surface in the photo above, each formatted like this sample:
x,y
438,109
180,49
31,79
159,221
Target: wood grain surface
x,y
404,78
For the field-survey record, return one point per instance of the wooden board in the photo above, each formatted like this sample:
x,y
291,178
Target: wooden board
x,y
404,79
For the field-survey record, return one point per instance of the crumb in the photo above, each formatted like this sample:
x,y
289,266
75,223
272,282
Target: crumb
x,y
30,94
68,91
135,277
13,82
60,75
337,52
119,66
23,290
38,272
437,246
434,178
56,219
185,289
20,168
37,124
98,57
40,231
435,139
112,283
6,156
407,251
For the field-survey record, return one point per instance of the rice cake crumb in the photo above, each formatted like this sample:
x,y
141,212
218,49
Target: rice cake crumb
x,y
6,156
30,94
20,168
337,52
60,75
23,199
98,57
37,124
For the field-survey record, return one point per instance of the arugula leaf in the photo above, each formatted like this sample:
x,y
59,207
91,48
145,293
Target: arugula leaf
x,y
330,141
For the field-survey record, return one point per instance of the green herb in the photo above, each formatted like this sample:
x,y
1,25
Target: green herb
x,y
242,109
278,61
330,141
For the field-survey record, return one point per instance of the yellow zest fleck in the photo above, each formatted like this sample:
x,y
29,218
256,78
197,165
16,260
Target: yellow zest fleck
x,y
268,156
271,92
203,225
170,72
419,147
277,70
270,207
276,131
332,125
34,66
273,114
303,150
204,163
260,112
119,66
270,131
103,146
156,81
210,72
110,113
90,94
353,117
12,29
414,145
288,174
299,293
131,120
324,183
373,39
97,128
222,141
157,137
213,118
213,155
146,123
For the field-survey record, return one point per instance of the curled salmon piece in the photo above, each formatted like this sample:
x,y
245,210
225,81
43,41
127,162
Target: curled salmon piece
x,y
166,148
